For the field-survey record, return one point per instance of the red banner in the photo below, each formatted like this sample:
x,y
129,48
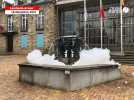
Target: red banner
x,y
22,8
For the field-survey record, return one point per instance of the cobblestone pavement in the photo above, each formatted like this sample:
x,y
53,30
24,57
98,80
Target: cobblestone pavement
x,y
12,89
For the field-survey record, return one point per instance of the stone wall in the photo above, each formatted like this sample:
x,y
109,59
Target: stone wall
x,y
3,20
49,30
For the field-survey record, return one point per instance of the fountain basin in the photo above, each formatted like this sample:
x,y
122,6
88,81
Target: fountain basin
x,y
68,77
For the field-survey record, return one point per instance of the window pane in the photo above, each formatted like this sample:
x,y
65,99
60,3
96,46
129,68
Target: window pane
x,y
10,23
68,22
24,41
40,40
24,23
40,21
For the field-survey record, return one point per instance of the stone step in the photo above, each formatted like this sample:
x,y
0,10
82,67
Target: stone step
x,y
126,62
129,54
7,53
124,59
128,58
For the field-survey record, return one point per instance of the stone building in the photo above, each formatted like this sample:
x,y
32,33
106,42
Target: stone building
x,y
23,33
65,17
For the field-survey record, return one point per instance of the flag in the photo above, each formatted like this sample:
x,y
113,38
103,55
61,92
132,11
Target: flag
x,y
101,13
122,3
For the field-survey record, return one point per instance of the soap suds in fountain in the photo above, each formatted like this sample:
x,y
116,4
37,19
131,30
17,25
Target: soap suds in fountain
x,y
95,56
87,57
36,57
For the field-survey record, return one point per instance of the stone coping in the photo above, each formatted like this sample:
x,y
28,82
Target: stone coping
x,y
69,67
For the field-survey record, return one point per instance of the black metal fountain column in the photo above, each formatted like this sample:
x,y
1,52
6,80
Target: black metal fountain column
x,y
68,49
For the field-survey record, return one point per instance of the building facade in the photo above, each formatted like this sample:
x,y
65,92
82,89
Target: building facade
x,y
66,17
71,18
23,33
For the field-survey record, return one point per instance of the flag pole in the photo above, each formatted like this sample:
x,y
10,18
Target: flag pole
x,y
101,24
85,22
121,27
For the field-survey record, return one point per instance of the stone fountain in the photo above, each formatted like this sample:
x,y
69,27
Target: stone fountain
x,y
68,77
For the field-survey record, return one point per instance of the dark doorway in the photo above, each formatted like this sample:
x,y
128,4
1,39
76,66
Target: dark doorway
x,y
9,40
9,43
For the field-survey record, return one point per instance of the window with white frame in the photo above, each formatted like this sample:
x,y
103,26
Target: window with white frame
x,y
24,23
40,21
10,23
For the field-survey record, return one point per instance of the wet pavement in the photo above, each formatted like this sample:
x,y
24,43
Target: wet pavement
x,y
12,89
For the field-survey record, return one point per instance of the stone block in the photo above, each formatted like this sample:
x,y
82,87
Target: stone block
x,y
68,77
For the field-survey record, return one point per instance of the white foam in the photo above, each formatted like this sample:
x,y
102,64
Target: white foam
x,y
94,56
87,57
36,57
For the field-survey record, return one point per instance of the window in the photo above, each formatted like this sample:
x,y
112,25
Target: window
x,y
68,22
24,23
10,23
20,2
24,41
40,40
40,22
